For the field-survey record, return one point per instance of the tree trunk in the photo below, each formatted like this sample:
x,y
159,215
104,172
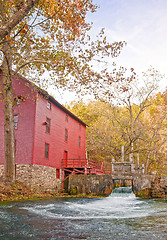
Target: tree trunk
x,y
9,135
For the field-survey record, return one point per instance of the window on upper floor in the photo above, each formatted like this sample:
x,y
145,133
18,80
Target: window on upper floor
x,y
47,125
46,150
48,105
66,135
15,121
79,142
66,118
79,126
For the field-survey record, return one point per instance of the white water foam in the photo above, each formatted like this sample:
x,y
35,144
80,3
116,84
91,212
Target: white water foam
x,y
116,206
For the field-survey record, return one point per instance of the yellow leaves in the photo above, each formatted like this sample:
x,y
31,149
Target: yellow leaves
x,y
26,26
23,31
10,40
19,4
7,37
70,13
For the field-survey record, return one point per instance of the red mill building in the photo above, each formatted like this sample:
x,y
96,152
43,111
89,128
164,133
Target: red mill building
x,y
50,141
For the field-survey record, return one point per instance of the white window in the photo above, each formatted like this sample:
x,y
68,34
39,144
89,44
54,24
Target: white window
x,y
15,121
48,105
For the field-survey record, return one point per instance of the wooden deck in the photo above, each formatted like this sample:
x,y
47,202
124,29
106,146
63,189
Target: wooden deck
x,y
84,166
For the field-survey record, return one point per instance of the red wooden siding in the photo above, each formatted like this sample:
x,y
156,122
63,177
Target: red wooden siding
x,y
56,138
31,136
25,111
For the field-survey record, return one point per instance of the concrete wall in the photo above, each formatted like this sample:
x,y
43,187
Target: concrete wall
x,y
145,186
126,168
37,178
90,184
150,186
94,184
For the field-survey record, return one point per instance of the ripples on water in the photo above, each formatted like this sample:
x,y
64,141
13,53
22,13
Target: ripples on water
x,y
119,216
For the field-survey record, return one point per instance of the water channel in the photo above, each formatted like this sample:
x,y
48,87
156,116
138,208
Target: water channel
x,y
119,216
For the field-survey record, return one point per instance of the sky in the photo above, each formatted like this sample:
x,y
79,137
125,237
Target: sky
x,y
142,24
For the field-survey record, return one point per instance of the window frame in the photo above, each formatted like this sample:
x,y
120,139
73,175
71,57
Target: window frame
x,y
66,118
66,135
79,142
48,105
46,151
15,121
48,123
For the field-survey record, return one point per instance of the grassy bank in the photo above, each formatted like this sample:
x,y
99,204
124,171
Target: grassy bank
x,y
18,192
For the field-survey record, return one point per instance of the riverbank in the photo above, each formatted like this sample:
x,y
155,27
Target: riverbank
x,y
119,216
18,192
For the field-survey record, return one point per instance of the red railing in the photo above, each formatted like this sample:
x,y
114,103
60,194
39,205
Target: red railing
x,y
74,163
90,167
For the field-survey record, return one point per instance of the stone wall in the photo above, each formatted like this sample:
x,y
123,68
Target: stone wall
x,y
94,184
150,186
90,184
126,168
37,178
123,168
142,185
145,186
159,187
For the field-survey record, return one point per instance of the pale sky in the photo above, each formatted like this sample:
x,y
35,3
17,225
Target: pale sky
x,y
142,24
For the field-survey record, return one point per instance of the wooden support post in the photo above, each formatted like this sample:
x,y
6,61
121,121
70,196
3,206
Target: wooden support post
x,y
138,160
122,153
143,168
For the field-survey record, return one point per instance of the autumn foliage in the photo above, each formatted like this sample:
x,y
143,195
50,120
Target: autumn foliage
x,y
135,119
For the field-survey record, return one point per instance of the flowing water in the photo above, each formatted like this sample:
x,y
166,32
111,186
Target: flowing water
x,y
119,216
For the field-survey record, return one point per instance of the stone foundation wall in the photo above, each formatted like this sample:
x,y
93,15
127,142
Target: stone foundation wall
x,y
144,186
94,184
150,186
37,178
141,182
159,187
90,184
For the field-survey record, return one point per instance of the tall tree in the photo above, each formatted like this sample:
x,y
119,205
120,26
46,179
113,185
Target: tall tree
x,y
39,36
135,98
132,115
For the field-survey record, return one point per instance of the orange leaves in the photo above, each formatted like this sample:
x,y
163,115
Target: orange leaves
x,y
71,14
10,40
23,31
26,26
